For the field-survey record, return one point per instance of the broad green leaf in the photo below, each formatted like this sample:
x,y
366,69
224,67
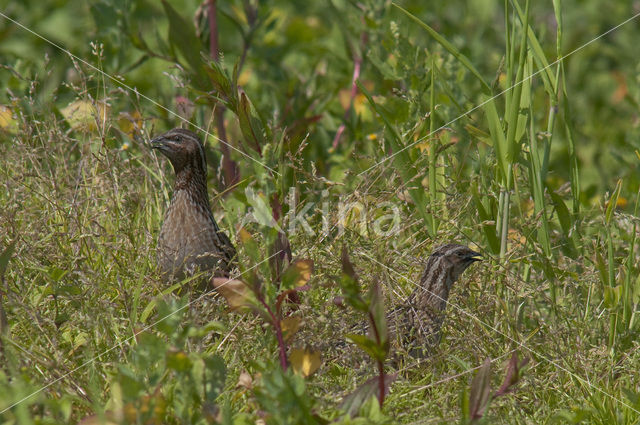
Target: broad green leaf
x,y
221,83
487,218
371,347
183,41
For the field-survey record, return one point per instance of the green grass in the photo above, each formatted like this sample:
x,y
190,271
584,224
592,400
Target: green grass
x,y
542,179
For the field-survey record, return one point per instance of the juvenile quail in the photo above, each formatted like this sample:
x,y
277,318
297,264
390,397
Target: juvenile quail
x,y
190,239
416,323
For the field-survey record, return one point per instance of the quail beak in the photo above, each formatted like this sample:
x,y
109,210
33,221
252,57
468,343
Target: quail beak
x,y
159,143
474,256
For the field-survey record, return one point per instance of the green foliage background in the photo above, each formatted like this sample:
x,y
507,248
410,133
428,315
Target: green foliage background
x,y
546,186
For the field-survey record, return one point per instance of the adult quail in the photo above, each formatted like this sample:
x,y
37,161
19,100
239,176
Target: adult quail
x,y
190,239
415,324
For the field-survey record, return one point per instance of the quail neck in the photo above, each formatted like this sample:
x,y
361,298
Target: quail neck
x,y
190,239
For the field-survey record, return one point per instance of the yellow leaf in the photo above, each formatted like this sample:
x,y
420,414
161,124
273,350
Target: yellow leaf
x,y
130,123
244,235
304,269
244,77
82,115
233,290
423,146
305,362
7,121
290,326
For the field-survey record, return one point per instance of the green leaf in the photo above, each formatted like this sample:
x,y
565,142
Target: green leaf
x,y
222,84
183,40
250,126
377,311
449,47
564,217
613,202
487,218
403,161
548,79
371,347
5,257
350,286
497,135
178,360
612,295
354,402
250,245
602,268
216,374
56,274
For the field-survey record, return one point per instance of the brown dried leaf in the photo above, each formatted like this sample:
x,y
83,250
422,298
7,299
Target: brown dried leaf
x,y
235,291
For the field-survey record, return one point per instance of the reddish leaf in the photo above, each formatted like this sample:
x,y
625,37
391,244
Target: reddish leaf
x,y
512,376
480,391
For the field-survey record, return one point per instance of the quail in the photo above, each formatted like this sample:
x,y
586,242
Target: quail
x,y
416,323
190,239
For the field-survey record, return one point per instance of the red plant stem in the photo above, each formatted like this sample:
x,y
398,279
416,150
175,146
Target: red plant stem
x,y
213,31
229,167
380,363
283,348
276,324
380,383
357,64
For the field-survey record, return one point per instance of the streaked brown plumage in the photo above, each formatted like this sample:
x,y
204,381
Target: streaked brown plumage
x,y
415,325
190,239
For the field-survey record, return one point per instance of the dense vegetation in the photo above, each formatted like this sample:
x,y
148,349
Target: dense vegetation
x,y
357,135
